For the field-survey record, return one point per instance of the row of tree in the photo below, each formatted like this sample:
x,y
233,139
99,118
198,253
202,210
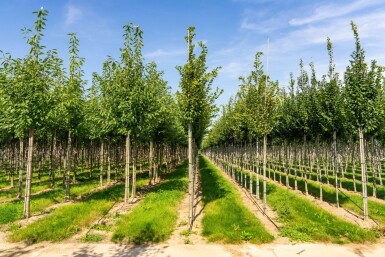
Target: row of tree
x,y
127,119
316,109
40,100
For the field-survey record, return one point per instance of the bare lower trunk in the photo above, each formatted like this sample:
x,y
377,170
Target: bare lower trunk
x,y
21,166
29,174
363,173
101,163
264,172
335,168
127,169
150,162
68,170
108,164
190,174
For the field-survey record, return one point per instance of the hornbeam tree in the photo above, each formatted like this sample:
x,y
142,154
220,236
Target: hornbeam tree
x,y
362,94
196,101
71,103
30,94
330,107
129,85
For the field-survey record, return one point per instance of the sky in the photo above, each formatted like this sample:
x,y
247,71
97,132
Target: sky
x,y
233,30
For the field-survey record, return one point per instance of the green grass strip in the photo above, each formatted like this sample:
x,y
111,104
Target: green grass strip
x,y
304,221
12,211
225,218
349,201
154,218
68,220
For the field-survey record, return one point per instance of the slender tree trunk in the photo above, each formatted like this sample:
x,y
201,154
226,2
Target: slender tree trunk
x,y
304,163
363,172
29,174
257,167
127,169
150,162
335,167
101,162
21,166
51,160
190,174
68,168
108,164
319,170
374,169
264,172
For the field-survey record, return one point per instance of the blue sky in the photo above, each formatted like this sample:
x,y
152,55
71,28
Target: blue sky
x,y
232,29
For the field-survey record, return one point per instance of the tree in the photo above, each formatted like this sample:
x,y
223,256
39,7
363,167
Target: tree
x,y
362,94
197,103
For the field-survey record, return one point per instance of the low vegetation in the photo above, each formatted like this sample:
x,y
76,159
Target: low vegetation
x,y
225,218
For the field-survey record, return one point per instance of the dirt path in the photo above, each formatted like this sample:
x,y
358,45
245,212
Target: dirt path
x,y
183,250
181,235
103,226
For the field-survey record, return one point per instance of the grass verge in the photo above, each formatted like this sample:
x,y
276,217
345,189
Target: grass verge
x,y
306,222
225,218
154,219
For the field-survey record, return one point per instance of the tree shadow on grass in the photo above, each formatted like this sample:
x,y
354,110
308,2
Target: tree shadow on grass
x,y
214,186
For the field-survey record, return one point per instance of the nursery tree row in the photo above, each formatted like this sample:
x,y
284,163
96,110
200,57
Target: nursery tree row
x,y
50,124
333,120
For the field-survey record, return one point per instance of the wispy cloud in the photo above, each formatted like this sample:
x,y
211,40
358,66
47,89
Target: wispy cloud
x,y
324,12
72,15
159,53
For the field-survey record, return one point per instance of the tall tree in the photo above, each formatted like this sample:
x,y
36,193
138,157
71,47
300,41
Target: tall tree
x,y
196,101
362,94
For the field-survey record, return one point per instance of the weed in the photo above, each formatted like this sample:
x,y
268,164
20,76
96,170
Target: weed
x,y
91,238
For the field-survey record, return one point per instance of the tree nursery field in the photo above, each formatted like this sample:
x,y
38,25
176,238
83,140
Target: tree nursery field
x,y
122,166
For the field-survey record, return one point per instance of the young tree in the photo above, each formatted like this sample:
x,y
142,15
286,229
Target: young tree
x,y
196,101
362,94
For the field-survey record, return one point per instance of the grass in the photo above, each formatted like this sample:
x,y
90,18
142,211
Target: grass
x,y
304,221
154,219
349,201
12,211
92,238
68,220
225,218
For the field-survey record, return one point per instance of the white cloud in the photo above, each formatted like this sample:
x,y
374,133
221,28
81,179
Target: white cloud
x,y
159,53
72,15
333,10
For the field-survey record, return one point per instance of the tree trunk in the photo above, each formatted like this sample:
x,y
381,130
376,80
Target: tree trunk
x,y
127,169
21,166
363,173
150,161
264,172
335,167
51,159
101,162
29,174
108,164
190,174
68,167
257,170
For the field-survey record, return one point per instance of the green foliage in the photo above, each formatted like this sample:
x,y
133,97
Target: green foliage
x,y
195,98
363,87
